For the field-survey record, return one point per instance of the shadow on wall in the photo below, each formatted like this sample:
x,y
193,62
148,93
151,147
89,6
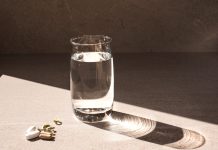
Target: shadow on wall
x,y
151,131
135,26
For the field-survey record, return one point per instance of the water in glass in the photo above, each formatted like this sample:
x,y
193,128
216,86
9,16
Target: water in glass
x,y
92,85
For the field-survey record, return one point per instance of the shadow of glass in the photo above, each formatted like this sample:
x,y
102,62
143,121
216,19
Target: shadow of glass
x,y
151,131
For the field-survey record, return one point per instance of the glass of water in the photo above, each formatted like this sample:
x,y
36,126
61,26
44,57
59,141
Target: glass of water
x,y
91,77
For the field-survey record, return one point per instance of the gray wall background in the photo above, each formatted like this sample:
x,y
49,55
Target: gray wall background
x,y
45,26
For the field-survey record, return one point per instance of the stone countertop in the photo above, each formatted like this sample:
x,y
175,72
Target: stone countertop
x,y
175,91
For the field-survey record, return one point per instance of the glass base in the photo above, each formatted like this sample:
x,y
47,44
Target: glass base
x,y
91,115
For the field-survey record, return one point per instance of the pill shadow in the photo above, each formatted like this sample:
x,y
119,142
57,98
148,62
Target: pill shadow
x,y
151,131
37,139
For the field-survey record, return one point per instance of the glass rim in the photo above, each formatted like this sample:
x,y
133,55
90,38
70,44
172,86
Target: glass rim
x,y
73,40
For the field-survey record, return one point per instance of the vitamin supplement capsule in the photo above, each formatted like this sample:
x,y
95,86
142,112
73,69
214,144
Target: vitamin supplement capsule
x,y
46,136
45,132
32,134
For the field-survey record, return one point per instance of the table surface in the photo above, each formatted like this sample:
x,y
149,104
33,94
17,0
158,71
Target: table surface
x,y
176,93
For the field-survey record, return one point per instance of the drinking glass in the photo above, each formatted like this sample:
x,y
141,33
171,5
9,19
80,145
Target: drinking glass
x,y
91,77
